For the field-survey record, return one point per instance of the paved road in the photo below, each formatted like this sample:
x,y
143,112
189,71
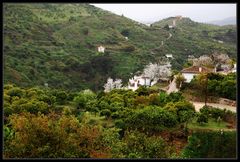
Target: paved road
x,y
172,86
199,105
170,35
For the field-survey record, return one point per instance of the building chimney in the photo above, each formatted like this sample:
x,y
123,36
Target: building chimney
x,y
200,69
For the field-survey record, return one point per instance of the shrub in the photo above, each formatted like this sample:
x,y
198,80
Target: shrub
x,y
202,118
139,145
174,97
15,91
53,136
105,112
152,118
142,91
83,98
125,32
211,144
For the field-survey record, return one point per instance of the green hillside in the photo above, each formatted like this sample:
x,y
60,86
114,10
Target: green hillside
x,y
57,44
192,38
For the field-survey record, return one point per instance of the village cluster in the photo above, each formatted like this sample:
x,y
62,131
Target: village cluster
x,y
162,72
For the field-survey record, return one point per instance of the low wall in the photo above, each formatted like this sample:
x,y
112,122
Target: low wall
x,y
227,102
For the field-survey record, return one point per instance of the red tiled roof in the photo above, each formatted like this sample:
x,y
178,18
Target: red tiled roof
x,y
195,69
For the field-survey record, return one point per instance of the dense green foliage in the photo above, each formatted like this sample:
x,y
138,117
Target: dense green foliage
x,y
38,127
218,85
57,44
218,114
224,86
50,123
211,144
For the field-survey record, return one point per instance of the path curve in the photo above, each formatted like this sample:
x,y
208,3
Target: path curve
x,y
170,35
172,86
199,105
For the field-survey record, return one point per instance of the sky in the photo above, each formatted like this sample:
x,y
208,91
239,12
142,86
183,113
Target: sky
x,y
156,12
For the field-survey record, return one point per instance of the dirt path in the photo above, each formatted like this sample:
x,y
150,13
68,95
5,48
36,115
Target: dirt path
x,y
172,86
199,105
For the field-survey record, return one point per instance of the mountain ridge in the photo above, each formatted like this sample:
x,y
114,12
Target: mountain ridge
x,y
227,21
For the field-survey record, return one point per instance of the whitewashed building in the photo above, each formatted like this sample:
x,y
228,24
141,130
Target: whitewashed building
x,y
101,49
138,81
169,55
190,72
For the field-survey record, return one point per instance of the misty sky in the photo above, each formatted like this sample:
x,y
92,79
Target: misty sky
x,y
154,12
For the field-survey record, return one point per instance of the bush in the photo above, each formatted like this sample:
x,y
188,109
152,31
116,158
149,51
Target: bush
x,y
152,118
139,145
61,97
162,98
120,124
174,97
83,98
211,144
202,118
142,91
215,113
15,91
105,112
141,100
183,109
54,136
125,32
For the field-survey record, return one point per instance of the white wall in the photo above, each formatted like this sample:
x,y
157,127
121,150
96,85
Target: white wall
x,y
101,49
141,82
188,76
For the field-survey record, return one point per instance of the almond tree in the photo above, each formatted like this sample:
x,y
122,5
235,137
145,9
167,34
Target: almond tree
x,y
156,71
109,85
203,61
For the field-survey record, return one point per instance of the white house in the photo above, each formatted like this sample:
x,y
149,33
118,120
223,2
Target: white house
x,y
101,49
169,55
190,72
138,81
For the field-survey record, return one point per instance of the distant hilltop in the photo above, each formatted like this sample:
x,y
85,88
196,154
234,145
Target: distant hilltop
x,y
226,21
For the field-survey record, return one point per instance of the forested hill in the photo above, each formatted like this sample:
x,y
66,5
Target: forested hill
x,y
57,44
